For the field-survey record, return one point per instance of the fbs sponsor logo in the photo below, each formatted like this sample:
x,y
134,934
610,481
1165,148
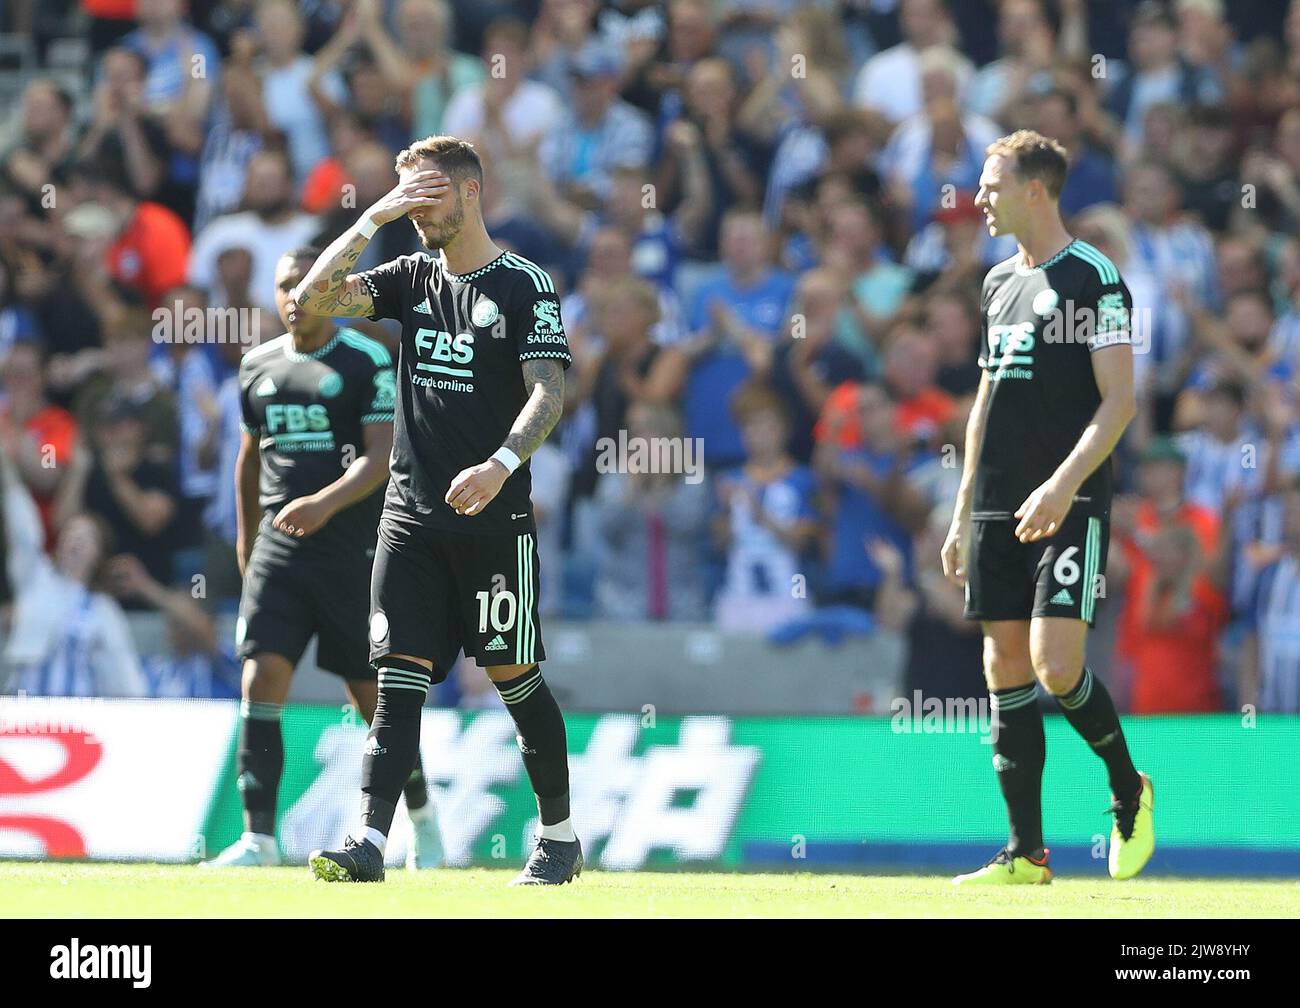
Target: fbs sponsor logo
x,y
75,961
497,643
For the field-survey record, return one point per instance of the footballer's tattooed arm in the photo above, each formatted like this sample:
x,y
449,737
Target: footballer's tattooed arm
x,y
328,289
544,378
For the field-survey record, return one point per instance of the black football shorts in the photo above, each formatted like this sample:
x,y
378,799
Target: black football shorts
x,y
435,592
296,589
1062,575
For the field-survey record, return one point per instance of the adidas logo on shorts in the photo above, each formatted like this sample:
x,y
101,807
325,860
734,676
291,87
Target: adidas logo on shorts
x,y
1062,598
497,643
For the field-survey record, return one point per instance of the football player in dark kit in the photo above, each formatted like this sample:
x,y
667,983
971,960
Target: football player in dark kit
x,y
1030,528
480,385
317,407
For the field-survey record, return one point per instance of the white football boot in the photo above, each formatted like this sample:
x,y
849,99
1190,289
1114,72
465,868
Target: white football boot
x,y
251,850
425,849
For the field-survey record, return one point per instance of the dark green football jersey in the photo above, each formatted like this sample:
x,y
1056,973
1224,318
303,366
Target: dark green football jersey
x,y
1040,329
309,411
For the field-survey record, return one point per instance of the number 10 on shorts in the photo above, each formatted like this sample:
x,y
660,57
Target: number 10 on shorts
x,y
490,605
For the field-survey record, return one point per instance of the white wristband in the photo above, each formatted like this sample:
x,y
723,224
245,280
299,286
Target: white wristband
x,y
368,228
507,458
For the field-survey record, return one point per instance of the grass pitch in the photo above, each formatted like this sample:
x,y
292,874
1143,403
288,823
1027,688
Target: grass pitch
x,y
67,890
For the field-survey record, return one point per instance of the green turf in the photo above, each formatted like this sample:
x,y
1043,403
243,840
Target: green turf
x,y
112,890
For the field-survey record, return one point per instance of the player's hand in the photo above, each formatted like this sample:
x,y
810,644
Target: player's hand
x,y
953,554
422,189
473,489
1043,512
302,517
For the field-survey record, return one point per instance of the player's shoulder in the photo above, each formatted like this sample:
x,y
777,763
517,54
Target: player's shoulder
x,y
1091,264
524,276
998,272
263,354
365,350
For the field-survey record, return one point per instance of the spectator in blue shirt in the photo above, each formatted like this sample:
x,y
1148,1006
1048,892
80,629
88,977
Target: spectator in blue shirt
x,y
871,498
733,320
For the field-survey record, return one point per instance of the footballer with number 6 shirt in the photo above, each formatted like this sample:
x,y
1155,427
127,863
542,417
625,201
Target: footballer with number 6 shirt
x,y
1029,532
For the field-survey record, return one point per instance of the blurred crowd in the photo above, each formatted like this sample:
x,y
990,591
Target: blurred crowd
x,y
760,214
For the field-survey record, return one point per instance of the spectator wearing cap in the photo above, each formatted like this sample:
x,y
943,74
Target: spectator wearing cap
x,y
1158,74
890,82
955,248
118,481
599,132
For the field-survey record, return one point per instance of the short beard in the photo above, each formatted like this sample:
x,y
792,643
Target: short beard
x,y
447,229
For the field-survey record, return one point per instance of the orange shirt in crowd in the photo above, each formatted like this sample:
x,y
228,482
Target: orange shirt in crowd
x,y
151,254
1203,522
918,418
320,193
55,427
1174,666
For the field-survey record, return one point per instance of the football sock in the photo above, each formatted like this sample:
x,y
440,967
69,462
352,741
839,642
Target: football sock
x,y
393,745
1019,751
1089,708
416,789
543,743
260,762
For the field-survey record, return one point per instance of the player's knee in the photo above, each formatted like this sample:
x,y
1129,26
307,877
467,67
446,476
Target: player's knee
x,y
265,678
1006,663
1057,675
504,673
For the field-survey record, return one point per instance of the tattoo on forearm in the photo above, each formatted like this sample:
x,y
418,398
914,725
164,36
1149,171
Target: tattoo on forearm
x,y
326,290
544,378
